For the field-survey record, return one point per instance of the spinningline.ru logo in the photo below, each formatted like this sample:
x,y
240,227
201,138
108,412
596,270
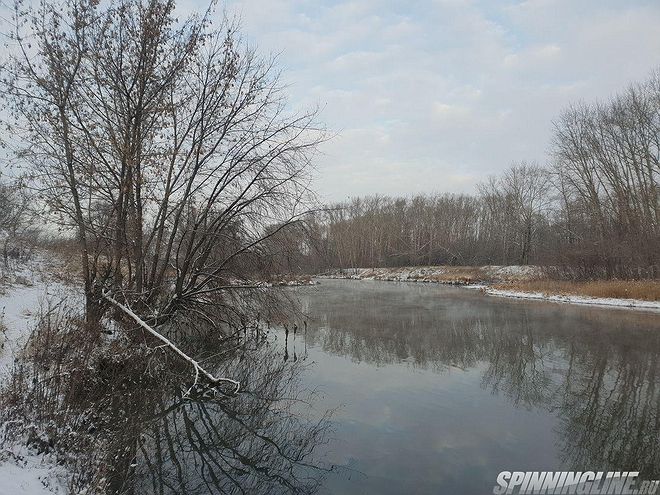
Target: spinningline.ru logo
x,y
584,482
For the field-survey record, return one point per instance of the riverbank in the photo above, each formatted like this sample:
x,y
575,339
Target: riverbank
x,y
25,290
453,275
519,282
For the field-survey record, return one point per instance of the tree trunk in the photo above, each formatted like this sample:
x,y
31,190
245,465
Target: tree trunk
x,y
93,312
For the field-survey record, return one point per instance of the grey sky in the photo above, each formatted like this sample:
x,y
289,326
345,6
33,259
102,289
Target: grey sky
x,y
436,95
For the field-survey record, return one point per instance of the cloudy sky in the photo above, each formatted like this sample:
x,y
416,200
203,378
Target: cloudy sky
x,y
436,95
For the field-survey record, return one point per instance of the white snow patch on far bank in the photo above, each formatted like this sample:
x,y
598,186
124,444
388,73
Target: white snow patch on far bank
x,y
442,274
560,298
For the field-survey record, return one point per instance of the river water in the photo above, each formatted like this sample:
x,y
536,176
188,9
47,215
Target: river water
x,y
437,389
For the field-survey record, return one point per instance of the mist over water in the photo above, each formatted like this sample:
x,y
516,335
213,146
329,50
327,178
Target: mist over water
x,y
406,388
439,389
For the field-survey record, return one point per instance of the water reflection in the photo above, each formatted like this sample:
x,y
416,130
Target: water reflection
x,y
261,441
592,372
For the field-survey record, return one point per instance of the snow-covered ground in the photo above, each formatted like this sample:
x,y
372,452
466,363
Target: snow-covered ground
x,y
24,291
594,301
22,471
459,275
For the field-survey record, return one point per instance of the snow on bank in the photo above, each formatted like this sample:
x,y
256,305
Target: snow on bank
x,y
27,289
441,274
571,299
24,472
24,291
479,278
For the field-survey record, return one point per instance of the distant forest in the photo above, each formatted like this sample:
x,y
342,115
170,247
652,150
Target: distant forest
x,y
592,211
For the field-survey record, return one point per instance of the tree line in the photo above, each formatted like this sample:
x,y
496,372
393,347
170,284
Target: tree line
x,y
592,211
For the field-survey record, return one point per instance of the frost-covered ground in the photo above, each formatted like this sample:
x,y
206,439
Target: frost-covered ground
x,y
480,278
459,275
24,290
560,298
23,471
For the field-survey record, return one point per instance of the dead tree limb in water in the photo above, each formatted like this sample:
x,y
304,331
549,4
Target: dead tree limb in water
x,y
169,344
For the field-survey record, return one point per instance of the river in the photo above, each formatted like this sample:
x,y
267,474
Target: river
x,y
437,389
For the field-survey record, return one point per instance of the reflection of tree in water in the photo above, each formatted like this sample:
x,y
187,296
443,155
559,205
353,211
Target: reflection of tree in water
x,y
596,370
610,408
261,441
516,366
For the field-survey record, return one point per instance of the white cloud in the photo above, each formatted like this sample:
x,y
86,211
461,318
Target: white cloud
x,y
435,95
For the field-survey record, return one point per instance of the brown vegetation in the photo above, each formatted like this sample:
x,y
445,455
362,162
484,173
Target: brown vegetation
x,y
456,275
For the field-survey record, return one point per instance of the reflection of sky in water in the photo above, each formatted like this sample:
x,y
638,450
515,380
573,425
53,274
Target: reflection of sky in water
x,y
442,388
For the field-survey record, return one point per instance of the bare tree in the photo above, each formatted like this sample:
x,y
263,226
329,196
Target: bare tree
x,y
608,172
517,202
167,145
15,220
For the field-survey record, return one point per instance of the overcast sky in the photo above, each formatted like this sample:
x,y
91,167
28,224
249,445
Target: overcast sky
x,y
435,95
432,96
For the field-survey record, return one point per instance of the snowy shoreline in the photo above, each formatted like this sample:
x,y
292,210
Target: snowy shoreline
x,y
24,290
481,278
609,302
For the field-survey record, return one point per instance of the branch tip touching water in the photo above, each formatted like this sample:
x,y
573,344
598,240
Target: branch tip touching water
x,y
168,343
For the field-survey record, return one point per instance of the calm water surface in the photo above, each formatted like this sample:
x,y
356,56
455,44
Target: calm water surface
x,y
441,388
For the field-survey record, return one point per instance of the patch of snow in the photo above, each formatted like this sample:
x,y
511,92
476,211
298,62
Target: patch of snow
x,y
24,472
25,291
595,301
476,287
518,272
440,274
19,303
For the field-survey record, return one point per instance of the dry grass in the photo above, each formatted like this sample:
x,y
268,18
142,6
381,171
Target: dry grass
x,y
646,290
